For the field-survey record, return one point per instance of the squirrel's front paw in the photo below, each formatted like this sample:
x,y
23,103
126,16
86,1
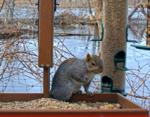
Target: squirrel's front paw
x,y
89,93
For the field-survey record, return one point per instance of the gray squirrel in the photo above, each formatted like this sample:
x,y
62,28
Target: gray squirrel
x,y
74,73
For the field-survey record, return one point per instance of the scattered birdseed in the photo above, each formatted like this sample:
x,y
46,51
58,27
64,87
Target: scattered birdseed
x,y
49,103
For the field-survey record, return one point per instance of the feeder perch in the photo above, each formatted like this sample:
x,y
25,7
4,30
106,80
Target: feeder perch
x,y
102,34
134,41
120,57
141,47
106,84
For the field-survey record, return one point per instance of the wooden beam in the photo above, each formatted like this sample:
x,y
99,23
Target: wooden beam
x,y
45,58
46,82
46,16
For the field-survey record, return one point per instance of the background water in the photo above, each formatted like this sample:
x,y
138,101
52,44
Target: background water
x,y
80,46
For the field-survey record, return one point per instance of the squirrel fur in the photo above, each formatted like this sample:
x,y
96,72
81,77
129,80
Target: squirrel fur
x,y
74,73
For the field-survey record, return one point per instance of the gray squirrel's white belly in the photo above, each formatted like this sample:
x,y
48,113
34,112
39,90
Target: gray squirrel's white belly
x,y
90,76
77,85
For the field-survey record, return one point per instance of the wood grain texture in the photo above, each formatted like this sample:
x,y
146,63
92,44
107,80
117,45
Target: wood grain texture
x,y
46,82
46,16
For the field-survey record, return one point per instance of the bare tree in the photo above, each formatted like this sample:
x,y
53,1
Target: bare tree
x,y
10,10
98,9
90,11
98,15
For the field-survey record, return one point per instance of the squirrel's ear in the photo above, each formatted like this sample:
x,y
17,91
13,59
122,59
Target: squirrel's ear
x,y
99,53
88,57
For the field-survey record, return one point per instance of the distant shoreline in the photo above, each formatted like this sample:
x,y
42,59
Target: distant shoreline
x,y
67,4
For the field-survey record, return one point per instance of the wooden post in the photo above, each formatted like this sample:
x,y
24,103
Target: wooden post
x,y
45,59
46,81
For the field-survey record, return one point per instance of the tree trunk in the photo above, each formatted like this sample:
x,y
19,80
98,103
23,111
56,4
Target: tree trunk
x,y
98,16
98,9
90,11
9,11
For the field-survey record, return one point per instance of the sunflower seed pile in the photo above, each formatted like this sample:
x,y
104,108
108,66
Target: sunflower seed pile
x,y
49,103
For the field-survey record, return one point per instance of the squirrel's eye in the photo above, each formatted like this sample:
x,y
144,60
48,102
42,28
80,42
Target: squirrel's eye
x,y
93,64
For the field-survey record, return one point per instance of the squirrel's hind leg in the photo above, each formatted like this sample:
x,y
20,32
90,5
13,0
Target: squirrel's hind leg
x,y
62,93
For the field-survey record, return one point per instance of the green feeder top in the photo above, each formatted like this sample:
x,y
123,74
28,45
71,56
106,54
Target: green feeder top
x,y
141,47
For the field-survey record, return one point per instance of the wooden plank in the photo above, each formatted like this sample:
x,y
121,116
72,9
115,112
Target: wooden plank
x,y
46,82
9,97
46,16
45,59
126,103
77,112
128,107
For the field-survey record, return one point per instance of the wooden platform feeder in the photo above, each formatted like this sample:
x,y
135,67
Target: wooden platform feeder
x,y
46,14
